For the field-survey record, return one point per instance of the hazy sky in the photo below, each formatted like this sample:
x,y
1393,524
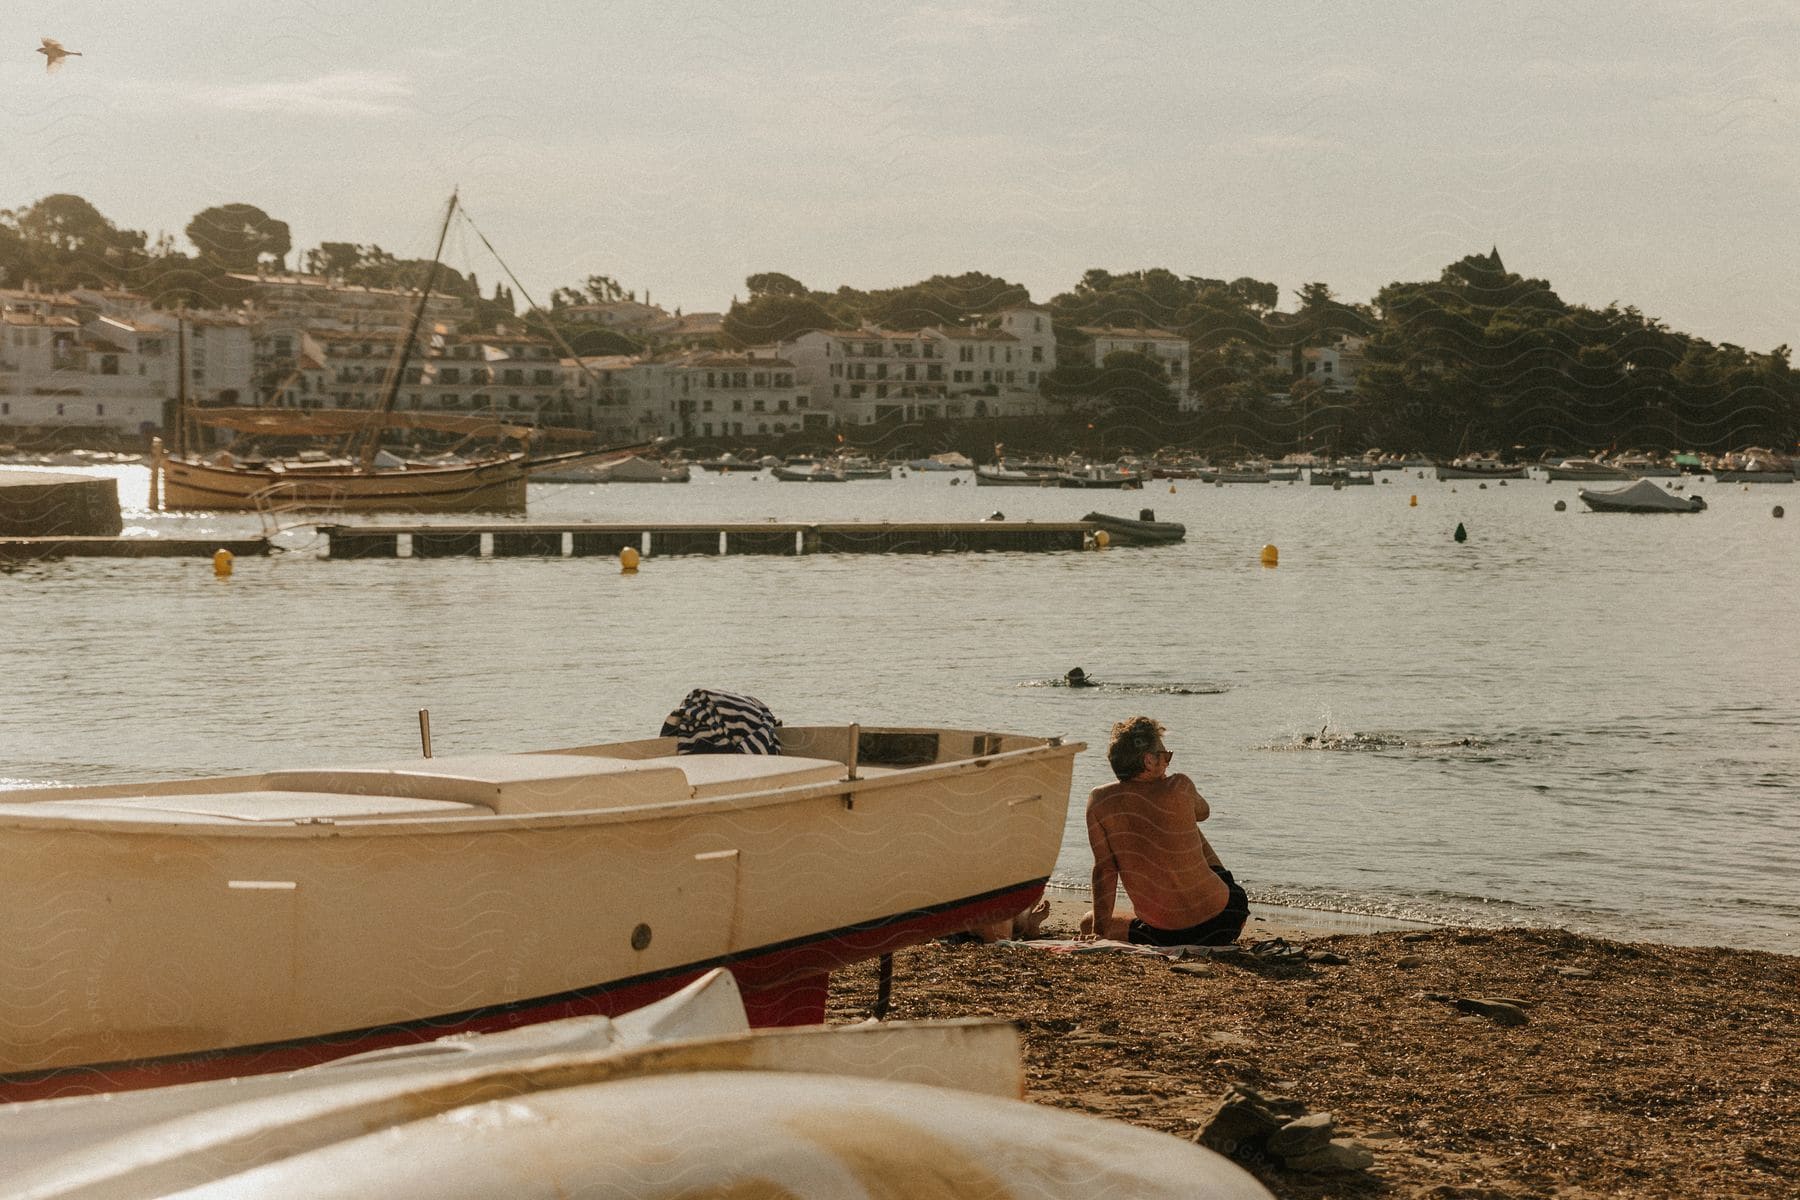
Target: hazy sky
x,y
1645,153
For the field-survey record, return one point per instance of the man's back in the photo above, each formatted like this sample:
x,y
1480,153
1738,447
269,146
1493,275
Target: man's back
x,y
1149,829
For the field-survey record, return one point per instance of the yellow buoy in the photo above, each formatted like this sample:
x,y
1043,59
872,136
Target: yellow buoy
x,y
222,560
1171,489
1414,503
1102,540
628,561
1270,556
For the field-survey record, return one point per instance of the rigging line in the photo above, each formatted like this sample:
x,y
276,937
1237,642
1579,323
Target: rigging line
x,y
548,323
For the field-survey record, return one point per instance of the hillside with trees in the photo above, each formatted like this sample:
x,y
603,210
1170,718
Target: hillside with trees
x,y
1477,358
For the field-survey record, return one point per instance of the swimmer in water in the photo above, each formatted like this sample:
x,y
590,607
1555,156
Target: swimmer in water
x,y
1078,678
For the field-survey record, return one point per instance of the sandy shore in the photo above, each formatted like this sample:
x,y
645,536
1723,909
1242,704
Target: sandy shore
x,y
1475,1065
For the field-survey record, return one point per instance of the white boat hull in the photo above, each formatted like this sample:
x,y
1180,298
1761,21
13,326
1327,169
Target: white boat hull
x,y
203,928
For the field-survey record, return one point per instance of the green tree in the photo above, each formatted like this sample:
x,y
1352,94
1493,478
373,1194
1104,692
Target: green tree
x,y
239,236
774,318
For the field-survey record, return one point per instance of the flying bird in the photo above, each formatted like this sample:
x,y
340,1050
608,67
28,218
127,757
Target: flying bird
x,y
53,53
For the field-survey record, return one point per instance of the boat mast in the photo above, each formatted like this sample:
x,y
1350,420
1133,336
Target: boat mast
x,y
181,385
391,392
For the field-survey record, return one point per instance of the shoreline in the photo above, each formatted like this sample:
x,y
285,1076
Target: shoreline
x,y
1267,918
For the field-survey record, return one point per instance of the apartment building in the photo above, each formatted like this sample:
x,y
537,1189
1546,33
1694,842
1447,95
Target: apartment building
x,y
1336,365
697,394
867,375
1170,349
107,361
508,374
320,302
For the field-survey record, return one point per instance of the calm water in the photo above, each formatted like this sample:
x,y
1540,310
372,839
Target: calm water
x,y
1571,719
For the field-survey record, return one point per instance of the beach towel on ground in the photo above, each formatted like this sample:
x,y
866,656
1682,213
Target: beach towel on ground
x,y
714,722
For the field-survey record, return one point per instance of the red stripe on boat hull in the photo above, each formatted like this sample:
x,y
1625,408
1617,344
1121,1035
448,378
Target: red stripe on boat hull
x,y
782,985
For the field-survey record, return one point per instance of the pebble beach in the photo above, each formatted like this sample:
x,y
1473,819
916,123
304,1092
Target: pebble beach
x,y
1448,1063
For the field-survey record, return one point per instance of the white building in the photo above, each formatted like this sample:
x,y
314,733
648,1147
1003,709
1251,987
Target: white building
x,y
1336,365
320,302
513,375
65,364
699,394
867,375
1170,349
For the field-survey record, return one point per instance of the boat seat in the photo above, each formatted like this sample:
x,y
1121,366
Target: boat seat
x,y
531,783
721,774
261,806
506,783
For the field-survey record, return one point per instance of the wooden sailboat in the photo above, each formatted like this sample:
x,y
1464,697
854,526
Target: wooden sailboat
x,y
367,479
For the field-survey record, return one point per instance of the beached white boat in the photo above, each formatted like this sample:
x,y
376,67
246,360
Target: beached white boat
x,y
582,1107
1640,497
194,929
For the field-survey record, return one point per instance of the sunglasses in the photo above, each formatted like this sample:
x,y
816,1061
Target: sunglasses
x,y
1166,755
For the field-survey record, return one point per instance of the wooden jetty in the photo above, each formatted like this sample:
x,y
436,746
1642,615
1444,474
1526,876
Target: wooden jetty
x,y
26,549
512,540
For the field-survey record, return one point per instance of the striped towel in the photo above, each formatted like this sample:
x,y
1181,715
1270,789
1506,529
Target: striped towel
x,y
713,722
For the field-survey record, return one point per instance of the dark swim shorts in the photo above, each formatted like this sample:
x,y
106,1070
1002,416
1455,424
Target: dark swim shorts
x,y
1221,930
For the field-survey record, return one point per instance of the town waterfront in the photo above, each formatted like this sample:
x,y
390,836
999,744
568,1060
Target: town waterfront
x,y
1568,719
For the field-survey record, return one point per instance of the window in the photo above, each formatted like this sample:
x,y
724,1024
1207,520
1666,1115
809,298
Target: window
x,y
780,406
1037,354
737,406
99,410
737,379
881,391
758,406
965,354
706,404
760,379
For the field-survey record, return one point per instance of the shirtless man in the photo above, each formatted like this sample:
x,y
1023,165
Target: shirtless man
x,y
1145,834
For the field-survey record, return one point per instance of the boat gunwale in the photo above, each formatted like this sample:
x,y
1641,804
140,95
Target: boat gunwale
x,y
481,817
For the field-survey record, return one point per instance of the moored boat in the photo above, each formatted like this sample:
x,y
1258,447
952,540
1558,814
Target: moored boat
x,y
1640,497
997,476
195,929
1339,476
1098,477
810,470
631,469
1479,468
1585,468
1145,530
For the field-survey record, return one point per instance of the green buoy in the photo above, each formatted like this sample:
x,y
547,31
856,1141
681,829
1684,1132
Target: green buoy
x,y
1462,535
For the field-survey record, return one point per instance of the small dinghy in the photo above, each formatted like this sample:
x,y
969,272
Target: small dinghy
x,y
1640,497
1145,531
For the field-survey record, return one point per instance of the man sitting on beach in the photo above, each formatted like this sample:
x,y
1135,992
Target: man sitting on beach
x,y
1145,834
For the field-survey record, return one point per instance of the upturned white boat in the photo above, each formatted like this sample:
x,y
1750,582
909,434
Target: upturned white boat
x,y
583,1106
196,929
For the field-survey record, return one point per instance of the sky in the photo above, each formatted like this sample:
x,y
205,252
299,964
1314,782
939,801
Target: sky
x,y
1640,153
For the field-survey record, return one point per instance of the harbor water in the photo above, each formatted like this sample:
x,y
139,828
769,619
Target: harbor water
x,y
1567,719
